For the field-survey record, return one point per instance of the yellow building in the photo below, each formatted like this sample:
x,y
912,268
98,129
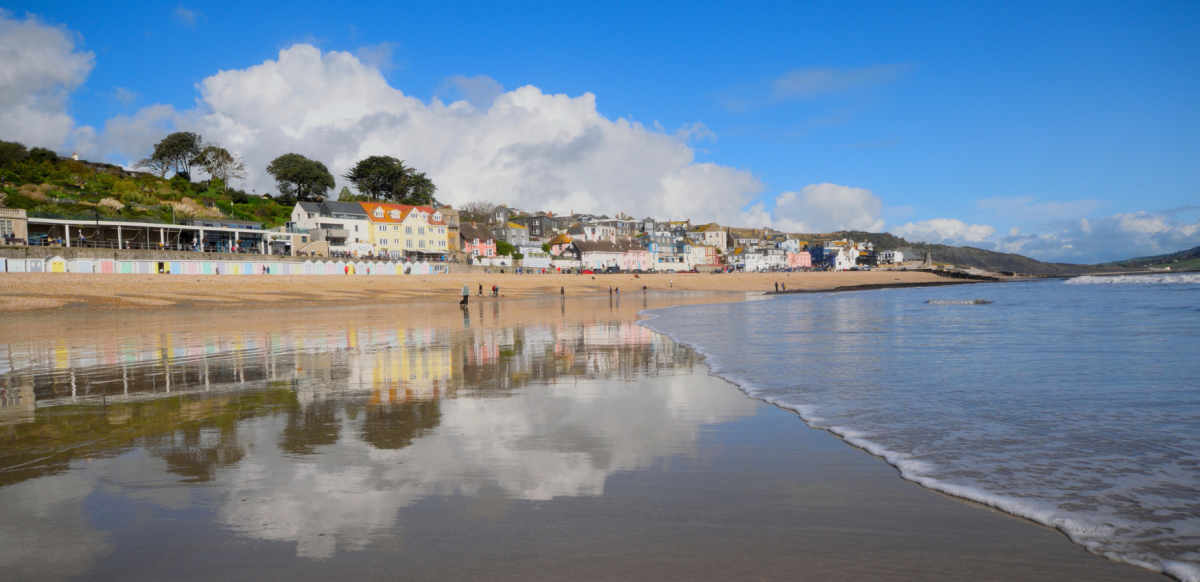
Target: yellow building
x,y
407,231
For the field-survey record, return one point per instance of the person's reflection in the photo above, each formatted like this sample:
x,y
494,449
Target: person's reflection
x,y
466,318
496,312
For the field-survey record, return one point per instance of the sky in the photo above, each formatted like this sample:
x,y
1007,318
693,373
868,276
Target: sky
x,y
1062,131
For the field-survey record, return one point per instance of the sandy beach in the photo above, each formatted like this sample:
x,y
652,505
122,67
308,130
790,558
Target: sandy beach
x,y
26,292
535,439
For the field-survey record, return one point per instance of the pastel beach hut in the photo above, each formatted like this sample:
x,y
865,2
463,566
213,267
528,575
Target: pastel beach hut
x,y
104,266
79,266
126,267
332,268
16,266
339,268
177,268
306,268
145,267
206,267
277,269
191,267
379,268
361,268
248,269
3,264
259,269
35,266
391,268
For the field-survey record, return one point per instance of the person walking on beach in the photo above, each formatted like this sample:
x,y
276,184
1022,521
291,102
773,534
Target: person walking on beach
x,y
466,294
481,289
562,292
785,286
346,269
643,289
618,291
777,286
671,283
610,290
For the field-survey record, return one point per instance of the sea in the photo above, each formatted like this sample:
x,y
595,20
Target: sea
x,y
1073,403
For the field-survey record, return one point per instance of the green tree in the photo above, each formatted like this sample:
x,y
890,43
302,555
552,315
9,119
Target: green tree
x,y
503,249
43,155
299,178
546,248
12,153
386,178
175,152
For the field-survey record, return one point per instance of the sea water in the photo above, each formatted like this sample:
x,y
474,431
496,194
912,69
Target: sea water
x,y
1072,403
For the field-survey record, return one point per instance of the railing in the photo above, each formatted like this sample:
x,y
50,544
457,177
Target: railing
x,y
140,246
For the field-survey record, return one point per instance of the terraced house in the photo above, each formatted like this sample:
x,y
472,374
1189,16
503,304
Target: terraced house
x,y
406,231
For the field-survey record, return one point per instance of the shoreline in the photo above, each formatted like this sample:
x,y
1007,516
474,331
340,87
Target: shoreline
x,y
95,293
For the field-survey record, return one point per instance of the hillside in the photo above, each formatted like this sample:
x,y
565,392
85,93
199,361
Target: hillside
x,y
1188,259
965,256
51,187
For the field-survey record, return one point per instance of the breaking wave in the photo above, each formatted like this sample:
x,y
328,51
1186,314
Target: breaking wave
x,y
1136,280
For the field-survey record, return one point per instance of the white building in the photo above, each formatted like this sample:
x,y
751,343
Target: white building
x,y
534,257
343,225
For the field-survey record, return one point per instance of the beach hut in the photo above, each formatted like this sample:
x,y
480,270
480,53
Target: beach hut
x,y
306,268
259,268
361,268
391,268
35,266
248,269
176,267
16,266
339,268
104,266
145,267
3,265
277,269
191,267
332,268
206,267
126,267
377,268
79,266
231,268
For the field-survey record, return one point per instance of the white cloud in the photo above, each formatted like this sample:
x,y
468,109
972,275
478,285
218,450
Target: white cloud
x,y
950,231
821,208
1097,240
125,96
378,55
1028,209
527,149
39,67
480,90
187,17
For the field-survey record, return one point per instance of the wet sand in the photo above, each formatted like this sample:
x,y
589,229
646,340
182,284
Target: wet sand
x,y
522,440
24,292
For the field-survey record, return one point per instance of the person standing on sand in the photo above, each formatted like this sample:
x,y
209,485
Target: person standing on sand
x,y
562,292
466,295
777,286
618,291
610,290
671,283
643,289
346,269
785,286
481,289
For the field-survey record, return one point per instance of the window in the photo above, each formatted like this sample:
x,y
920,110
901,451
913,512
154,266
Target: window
x,y
422,243
383,241
356,228
441,243
396,228
383,228
420,230
441,231
408,230
395,214
6,227
408,243
378,213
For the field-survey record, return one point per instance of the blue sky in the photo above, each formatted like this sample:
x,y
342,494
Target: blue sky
x,y
1032,116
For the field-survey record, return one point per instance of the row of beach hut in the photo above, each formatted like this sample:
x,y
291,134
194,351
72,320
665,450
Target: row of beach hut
x,y
249,267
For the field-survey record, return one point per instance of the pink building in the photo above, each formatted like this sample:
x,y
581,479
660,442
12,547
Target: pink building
x,y
799,260
477,241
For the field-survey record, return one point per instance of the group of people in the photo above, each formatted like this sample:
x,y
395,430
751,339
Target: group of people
x,y
466,293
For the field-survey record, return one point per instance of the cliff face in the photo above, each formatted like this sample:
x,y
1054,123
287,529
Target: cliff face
x,y
965,256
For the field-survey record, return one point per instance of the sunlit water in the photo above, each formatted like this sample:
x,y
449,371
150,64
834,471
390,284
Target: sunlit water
x,y
315,434
1076,404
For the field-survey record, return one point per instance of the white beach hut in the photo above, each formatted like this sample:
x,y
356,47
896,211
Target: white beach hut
x,y
17,266
79,266
306,268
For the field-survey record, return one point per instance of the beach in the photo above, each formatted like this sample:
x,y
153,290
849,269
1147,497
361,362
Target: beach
x,y
23,292
527,439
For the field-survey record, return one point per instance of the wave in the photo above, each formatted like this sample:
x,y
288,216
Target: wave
x,y
1092,532
1136,280
955,302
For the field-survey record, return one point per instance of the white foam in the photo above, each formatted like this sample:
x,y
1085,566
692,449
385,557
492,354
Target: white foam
x,y
958,302
1092,532
1188,279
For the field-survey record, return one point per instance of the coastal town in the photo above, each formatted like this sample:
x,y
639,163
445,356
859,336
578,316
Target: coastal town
x,y
429,237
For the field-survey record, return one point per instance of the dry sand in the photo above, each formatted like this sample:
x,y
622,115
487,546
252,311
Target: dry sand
x,y
33,292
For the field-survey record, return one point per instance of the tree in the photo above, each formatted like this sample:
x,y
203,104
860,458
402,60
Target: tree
x,y
503,249
300,178
386,178
175,152
219,163
12,153
43,155
477,211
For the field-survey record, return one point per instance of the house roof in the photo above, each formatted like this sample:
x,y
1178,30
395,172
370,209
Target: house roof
x,y
335,207
471,232
710,227
515,225
405,211
561,239
597,246
309,206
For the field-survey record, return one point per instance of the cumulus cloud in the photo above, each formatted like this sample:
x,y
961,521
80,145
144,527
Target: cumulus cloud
x,y
527,148
1099,240
823,208
39,67
378,55
949,231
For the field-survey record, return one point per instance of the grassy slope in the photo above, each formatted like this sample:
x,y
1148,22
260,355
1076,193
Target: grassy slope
x,y
1189,257
71,189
